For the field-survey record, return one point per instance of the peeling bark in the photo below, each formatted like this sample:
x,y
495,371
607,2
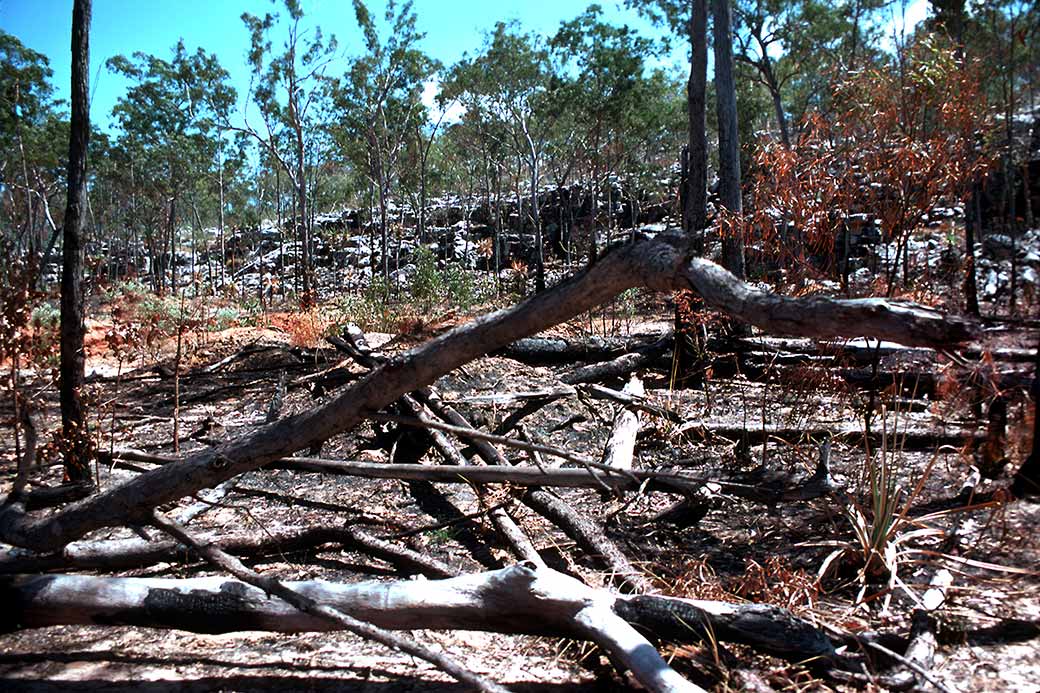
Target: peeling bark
x,y
518,600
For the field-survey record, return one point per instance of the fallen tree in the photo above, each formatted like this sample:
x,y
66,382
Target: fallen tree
x,y
660,263
520,599
125,554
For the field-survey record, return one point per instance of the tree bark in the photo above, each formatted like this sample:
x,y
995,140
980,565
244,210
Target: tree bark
x,y
696,199
971,292
1027,478
729,144
519,599
695,194
73,416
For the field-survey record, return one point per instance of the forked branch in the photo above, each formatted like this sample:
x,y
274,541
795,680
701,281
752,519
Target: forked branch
x,y
660,263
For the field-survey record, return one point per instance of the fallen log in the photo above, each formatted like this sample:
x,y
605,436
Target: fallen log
x,y
621,366
127,554
516,600
549,350
330,614
586,534
567,477
912,439
864,351
661,263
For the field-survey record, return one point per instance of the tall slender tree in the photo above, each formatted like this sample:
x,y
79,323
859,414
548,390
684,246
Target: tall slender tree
x,y
729,144
73,416
695,198
380,102
288,89
168,121
514,79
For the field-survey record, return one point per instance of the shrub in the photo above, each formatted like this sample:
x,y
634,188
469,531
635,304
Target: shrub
x,y
427,285
904,141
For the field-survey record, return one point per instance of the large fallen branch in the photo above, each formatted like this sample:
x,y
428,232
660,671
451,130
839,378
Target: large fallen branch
x,y
313,607
660,263
583,531
518,600
125,554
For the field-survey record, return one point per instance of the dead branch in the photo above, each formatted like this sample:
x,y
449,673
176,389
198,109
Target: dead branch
x,y
660,263
127,554
911,439
505,526
621,366
520,599
585,533
920,653
477,434
306,604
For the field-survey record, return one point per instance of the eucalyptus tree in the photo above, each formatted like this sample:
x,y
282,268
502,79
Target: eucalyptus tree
x,y
655,128
729,142
793,47
514,81
761,26
33,147
287,88
689,20
380,101
425,136
73,358
479,132
602,70
168,127
1004,36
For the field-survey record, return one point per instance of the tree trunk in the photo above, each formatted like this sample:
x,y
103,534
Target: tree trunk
x,y
73,417
1027,478
171,232
220,216
971,292
729,145
304,219
518,599
696,198
778,106
695,194
423,156
536,217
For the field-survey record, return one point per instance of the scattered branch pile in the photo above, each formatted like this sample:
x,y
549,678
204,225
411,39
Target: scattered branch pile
x,y
529,596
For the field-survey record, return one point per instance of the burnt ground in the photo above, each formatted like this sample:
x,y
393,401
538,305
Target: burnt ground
x,y
989,629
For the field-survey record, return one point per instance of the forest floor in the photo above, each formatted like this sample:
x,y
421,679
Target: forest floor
x,y
988,630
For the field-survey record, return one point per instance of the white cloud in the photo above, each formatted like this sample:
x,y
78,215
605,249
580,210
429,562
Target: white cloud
x,y
452,114
903,18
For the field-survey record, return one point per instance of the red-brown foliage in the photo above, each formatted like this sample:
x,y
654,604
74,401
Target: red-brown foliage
x,y
898,142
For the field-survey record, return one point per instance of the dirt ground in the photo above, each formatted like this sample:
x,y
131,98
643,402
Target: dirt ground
x,y
989,629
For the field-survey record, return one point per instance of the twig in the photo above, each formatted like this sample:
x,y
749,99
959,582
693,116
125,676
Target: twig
x,y
910,664
272,586
461,431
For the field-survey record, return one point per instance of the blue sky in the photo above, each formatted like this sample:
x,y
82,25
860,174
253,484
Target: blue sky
x,y
452,27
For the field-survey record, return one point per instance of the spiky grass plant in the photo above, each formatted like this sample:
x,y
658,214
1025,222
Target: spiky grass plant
x,y
882,534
